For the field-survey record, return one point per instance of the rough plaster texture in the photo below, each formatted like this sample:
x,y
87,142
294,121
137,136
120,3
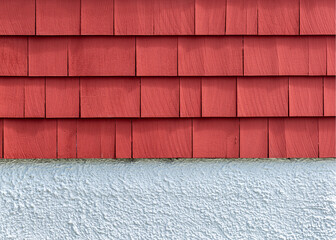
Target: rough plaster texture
x,y
217,199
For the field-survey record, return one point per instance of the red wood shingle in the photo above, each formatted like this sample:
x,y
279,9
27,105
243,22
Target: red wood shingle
x,y
160,97
29,138
331,52
110,97
293,137
35,97
262,96
102,56
162,138
17,17
241,17
219,96
156,56
58,17
253,137
329,96
62,97
1,138
66,138
97,17
12,100
216,137
13,56
327,142
305,96
123,138
190,97
210,17
47,56
317,55
317,17
210,56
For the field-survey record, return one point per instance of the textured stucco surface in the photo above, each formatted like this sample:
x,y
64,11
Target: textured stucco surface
x,y
217,199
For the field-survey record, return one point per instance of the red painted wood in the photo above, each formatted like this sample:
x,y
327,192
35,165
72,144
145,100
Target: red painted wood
x,y
327,143
241,17
58,17
17,17
102,56
253,137
156,56
97,17
174,17
216,137
47,56
219,96
96,138
329,96
305,96
262,96
134,17
66,138
110,97
13,52
210,17
12,103
123,138
331,56
62,97
190,97
29,138
1,138
162,138
35,97
210,56
278,17
317,17
276,56
317,55
160,97
293,137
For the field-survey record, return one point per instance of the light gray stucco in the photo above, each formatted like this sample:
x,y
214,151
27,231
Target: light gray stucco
x,y
216,199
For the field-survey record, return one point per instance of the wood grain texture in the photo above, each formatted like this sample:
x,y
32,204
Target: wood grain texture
x,y
96,138
123,138
134,17
293,137
17,17
102,56
156,56
58,17
262,96
174,17
29,138
317,17
241,17
327,136
253,138
219,96
13,52
66,138
162,138
12,100
190,97
331,52
35,97
210,17
305,96
47,56
110,97
329,96
96,17
216,137
160,96
271,55
278,17
317,55
210,56
62,97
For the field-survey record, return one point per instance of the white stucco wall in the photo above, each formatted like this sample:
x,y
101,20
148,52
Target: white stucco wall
x,y
235,199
